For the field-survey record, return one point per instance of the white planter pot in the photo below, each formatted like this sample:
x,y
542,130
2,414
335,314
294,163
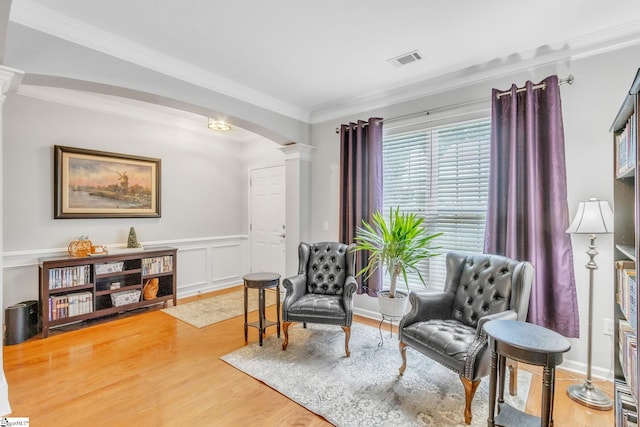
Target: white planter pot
x,y
393,307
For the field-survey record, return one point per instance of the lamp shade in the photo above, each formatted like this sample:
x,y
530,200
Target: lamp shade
x,y
593,217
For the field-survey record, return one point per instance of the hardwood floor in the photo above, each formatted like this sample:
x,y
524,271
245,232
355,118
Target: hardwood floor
x,y
567,412
151,369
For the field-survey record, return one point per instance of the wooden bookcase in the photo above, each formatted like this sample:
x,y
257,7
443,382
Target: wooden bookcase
x,y
626,200
78,289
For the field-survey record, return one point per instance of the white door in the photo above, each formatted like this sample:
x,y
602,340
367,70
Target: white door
x,y
267,219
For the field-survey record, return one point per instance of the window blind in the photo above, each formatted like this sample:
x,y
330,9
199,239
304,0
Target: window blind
x,y
441,174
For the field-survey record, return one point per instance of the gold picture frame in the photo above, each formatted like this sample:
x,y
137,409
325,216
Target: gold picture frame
x,y
99,184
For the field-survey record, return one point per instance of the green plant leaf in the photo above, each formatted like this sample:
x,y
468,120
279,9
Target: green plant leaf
x,y
397,244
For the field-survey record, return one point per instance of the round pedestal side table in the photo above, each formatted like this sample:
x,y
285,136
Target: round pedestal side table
x,y
527,343
261,281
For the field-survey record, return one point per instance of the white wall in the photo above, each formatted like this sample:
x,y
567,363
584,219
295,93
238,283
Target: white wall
x,y
204,190
262,152
589,107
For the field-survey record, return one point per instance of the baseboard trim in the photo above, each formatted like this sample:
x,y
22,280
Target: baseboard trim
x,y
185,293
375,315
580,369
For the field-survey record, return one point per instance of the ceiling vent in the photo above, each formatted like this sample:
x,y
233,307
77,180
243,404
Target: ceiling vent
x,y
406,58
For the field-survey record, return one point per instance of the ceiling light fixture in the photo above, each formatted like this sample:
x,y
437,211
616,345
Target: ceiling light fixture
x,y
220,125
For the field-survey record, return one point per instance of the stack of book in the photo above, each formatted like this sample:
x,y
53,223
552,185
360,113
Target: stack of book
x,y
63,306
157,265
625,405
625,143
69,276
628,353
626,291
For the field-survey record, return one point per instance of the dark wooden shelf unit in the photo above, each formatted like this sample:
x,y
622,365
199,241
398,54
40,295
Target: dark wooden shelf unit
x,y
77,289
626,203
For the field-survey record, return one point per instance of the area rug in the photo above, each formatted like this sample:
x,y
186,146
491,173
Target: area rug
x,y
215,309
364,389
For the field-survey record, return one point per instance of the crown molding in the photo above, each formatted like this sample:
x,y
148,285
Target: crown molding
x,y
39,18
592,44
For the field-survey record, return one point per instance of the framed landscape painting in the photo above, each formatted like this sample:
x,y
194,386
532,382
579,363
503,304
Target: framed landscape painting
x,y
97,184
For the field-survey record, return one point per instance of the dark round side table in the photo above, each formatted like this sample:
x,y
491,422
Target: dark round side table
x,y
261,281
527,343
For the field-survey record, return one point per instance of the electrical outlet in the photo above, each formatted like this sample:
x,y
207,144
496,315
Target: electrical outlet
x,y
608,327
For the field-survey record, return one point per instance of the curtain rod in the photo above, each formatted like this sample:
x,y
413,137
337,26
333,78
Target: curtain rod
x,y
570,79
427,112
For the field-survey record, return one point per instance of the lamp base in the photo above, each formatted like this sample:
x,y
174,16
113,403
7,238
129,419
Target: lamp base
x,y
588,395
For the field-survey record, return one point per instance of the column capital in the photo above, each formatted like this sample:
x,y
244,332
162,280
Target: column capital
x,y
297,151
10,79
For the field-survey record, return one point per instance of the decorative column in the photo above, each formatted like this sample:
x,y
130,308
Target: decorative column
x,y
9,81
297,201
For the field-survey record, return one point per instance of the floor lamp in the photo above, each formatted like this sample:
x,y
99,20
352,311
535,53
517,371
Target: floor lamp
x,y
593,217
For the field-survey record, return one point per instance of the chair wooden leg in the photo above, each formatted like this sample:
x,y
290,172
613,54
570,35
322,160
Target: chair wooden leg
x,y
347,332
513,377
469,391
403,353
285,329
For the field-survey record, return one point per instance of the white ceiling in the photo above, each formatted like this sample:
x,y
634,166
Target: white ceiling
x,y
311,59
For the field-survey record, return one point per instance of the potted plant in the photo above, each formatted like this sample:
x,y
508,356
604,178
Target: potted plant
x,y
398,245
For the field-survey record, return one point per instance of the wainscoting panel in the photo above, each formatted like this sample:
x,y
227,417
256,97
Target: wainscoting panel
x,y
204,264
225,263
192,268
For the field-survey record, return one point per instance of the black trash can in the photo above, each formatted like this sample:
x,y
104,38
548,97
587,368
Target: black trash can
x,y
21,322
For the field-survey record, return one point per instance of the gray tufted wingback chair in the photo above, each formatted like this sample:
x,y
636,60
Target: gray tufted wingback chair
x,y
447,326
322,291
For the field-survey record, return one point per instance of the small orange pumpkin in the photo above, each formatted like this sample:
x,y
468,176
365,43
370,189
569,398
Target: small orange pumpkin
x,y
80,247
